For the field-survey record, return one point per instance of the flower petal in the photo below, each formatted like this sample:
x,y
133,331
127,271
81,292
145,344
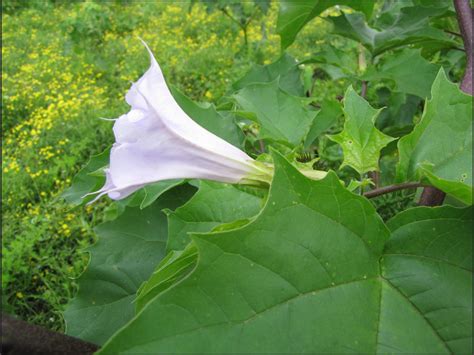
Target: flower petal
x,y
156,140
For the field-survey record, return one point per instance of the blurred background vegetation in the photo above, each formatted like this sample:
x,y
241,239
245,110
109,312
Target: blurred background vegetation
x,y
66,64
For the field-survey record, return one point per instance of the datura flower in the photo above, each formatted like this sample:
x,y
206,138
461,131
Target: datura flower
x,y
156,140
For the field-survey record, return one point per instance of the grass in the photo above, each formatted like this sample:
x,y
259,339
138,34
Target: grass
x,y
64,66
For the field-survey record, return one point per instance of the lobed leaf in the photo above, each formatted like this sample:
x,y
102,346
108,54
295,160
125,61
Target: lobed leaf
x,y
128,250
307,276
285,68
410,27
440,146
361,142
282,117
400,68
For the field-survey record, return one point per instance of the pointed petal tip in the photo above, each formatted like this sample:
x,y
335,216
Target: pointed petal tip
x,y
152,56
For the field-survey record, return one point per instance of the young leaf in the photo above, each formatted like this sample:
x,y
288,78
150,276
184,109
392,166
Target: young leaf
x,y
282,117
285,68
361,142
294,15
212,205
400,69
306,277
440,146
126,254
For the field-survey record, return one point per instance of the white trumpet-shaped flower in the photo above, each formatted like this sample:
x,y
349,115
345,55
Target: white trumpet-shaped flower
x,y
156,140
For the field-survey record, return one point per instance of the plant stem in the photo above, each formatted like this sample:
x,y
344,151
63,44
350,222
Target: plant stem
x,y
392,188
363,90
464,13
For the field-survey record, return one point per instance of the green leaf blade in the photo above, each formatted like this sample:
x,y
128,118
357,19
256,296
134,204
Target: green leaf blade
x,y
440,146
285,68
361,142
125,255
399,68
243,284
86,181
208,117
428,260
294,15
282,117
212,205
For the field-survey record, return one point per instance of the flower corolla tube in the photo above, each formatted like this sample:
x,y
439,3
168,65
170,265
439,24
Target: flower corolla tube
x,y
156,140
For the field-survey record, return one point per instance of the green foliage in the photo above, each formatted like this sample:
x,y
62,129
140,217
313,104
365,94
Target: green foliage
x,y
280,115
440,146
285,68
214,121
89,179
294,15
55,86
211,206
361,142
428,260
409,27
172,269
328,116
305,265
400,68
124,257
289,269
336,62
398,116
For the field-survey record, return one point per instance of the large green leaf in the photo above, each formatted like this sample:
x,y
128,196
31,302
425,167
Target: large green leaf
x,y
306,277
87,179
410,27
294,15
128,250
428,265
207,116
400,68
440,146
361,142
213,204
282,117
285,68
